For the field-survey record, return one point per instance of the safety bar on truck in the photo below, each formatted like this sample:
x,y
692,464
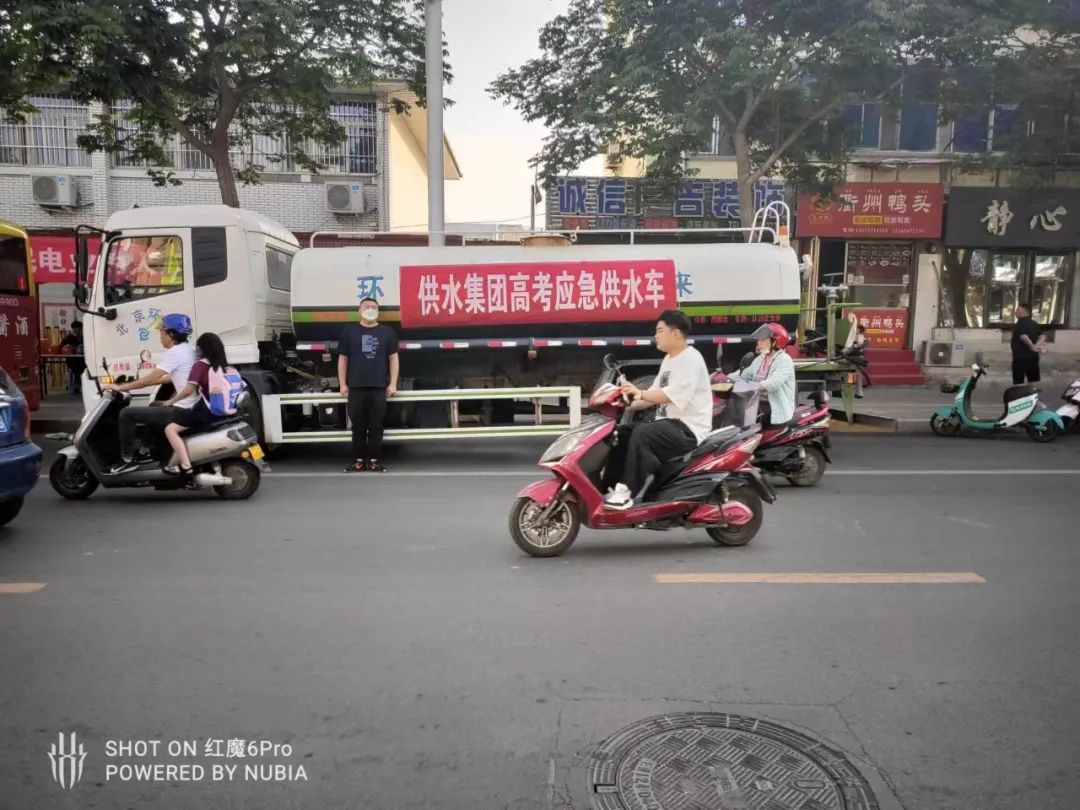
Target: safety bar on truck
x,y
275,434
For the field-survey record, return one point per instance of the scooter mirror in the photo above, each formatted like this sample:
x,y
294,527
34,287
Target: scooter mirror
x,y
975,367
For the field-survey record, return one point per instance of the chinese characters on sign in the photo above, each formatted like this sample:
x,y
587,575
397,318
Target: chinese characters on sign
x,y
616,203
54,258
885,328
900,210
562,292
1014,217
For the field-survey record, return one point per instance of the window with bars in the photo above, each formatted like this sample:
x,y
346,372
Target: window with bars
x,y
48,136
356,154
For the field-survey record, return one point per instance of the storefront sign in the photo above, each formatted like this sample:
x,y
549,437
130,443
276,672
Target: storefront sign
x,y
54,258
1014,217
618,203
545,292
885,328
894,210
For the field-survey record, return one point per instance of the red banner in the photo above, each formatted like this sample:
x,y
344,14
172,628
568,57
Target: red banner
x,y
547,292
54,258
897,210
885,328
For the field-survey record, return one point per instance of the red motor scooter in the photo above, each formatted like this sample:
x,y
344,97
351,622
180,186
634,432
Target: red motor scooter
x,y
713,487
798,450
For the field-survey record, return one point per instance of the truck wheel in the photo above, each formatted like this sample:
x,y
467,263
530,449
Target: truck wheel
x,y
251,412
75,481
245,480
740,535
551,539
813,469
9,509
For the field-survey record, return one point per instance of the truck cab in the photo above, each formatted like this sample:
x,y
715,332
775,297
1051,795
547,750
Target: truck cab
x,y
227,269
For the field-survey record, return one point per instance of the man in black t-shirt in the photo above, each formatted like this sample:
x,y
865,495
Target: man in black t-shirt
x,y
1027,345
367,374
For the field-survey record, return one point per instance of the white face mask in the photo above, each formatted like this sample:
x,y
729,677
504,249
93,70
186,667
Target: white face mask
x,y
369,314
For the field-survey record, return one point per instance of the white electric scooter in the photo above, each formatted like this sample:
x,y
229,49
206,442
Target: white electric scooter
x,y
1071,409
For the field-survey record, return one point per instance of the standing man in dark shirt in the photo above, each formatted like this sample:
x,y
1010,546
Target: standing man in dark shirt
x,y
77,364
1027,345
368,374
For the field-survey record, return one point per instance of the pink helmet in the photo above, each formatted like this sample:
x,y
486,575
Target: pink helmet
x,y
774,331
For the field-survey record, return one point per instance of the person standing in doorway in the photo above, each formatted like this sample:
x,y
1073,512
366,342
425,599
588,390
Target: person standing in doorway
x,y
368,374
1027,345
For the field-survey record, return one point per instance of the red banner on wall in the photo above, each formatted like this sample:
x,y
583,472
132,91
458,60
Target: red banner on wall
x,y
545,292
896,210
885,328
54,258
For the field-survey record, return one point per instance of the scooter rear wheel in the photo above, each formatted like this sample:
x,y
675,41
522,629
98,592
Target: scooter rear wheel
x,y
75,481
552,538
740,535
944,427
245,480
813,469
1044,433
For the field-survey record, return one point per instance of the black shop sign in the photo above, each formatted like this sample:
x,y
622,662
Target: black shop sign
x,y
1013,218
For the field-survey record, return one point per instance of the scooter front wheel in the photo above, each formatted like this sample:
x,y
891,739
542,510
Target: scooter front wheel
x,y
944,427
544,535
740,535
73,481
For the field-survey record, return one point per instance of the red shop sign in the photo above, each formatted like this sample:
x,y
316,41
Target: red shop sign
x,y
54,258
885,328
527,293
896,210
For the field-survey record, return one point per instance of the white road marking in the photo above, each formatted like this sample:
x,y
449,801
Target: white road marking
x,y
973,523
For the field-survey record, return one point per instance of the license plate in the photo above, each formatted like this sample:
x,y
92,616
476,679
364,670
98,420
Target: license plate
x,y
5,420
256,452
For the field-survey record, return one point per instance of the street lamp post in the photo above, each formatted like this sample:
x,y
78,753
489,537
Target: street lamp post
x,y
434,68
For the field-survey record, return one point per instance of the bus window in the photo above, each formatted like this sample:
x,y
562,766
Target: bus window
x,y
14,267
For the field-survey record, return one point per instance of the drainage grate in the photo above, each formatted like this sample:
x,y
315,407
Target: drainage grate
x,y
696,761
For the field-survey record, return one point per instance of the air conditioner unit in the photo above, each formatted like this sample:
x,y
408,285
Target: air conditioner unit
x,y
54,190
945,354
345,198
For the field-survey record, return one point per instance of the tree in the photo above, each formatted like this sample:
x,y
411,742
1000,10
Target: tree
x,y
651,75
215,72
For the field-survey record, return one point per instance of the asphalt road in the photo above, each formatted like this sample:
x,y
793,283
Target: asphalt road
x,y
389,631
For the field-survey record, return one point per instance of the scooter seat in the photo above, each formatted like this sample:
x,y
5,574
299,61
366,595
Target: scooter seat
x,y
1016,392
216,423
715,441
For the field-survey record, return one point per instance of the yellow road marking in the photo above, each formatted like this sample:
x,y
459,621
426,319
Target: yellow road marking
x,y
897,578
21,587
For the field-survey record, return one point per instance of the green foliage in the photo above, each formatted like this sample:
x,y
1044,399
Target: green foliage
x,y
650,75
214,71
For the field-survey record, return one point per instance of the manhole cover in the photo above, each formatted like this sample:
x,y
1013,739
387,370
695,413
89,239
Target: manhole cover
x,y
722,762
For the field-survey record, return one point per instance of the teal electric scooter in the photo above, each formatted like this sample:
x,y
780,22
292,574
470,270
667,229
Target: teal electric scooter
x,y
1022,407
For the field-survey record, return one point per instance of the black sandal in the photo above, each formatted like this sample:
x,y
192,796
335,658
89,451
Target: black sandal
x,y
375,466
356,466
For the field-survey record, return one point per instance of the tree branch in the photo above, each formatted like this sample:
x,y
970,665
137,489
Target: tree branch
x,y
162,108
812,119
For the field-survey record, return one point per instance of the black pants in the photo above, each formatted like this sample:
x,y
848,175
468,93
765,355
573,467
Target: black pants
x,y
650,445
134,416
367,410
1025,369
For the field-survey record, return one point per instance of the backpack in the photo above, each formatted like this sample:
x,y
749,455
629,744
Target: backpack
x,y
223,389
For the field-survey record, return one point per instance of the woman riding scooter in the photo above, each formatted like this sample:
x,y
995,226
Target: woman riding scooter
x,y
774,372
211,352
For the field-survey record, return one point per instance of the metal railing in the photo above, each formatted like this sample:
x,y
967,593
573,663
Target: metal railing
x,y
273,422
48,136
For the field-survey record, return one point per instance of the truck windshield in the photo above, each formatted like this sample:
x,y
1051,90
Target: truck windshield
x,y
143,266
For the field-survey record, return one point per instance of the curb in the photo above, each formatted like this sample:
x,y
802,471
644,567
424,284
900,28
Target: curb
x,y
885,424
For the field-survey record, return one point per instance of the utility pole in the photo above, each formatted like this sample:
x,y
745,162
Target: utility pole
x,y
436,171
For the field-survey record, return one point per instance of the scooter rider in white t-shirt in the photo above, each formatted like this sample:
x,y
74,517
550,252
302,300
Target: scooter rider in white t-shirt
x,y
175,366
683,399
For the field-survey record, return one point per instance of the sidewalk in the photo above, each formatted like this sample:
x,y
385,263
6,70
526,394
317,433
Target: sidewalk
x,y
58,413
898,409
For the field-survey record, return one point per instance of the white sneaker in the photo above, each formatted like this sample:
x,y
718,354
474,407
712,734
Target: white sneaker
x,y
619,497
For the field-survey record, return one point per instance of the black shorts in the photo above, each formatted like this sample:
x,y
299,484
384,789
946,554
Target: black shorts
x,y
193,417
